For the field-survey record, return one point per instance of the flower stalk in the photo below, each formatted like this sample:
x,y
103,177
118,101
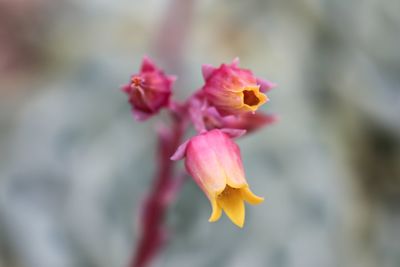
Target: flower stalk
x,y
222,110
165,186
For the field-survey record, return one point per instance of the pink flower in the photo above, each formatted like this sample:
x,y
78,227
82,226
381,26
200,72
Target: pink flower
x,y
233,90
215,164
149,90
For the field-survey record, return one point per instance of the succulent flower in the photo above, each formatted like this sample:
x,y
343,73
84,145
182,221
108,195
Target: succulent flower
x,y
223,109
233,90
149,90
214,162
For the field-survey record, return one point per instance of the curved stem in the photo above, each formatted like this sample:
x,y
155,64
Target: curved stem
x,y
164,189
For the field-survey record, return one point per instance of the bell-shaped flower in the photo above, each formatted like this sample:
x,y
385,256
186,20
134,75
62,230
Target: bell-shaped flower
x,y
149,90
214,162
233,90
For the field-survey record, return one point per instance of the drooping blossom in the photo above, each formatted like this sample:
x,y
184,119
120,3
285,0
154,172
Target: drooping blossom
x,y
214,162
149,90
233,90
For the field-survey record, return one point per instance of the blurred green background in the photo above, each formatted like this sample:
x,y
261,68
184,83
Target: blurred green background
x,y
75,166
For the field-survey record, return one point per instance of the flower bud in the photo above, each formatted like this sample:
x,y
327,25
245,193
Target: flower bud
x,y
233,90
149,90
214,162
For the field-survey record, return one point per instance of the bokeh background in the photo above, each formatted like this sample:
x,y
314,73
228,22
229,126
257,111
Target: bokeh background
x,y
75,166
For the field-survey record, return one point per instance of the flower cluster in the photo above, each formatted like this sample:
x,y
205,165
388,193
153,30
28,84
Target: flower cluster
x,y
223,109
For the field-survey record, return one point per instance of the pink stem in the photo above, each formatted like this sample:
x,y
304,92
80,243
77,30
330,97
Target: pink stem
x,y
153,230
166,184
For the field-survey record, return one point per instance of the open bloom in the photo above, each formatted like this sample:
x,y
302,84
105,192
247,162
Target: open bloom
x,y
215,164
149,90
233,90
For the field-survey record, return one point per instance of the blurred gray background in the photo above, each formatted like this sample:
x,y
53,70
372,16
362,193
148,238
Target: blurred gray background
x,y
75,166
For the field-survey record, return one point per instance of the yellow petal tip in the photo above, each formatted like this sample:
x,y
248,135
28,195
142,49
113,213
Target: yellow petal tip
x,y
231,201
216,212
213,218
250,197
237,220
239,224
